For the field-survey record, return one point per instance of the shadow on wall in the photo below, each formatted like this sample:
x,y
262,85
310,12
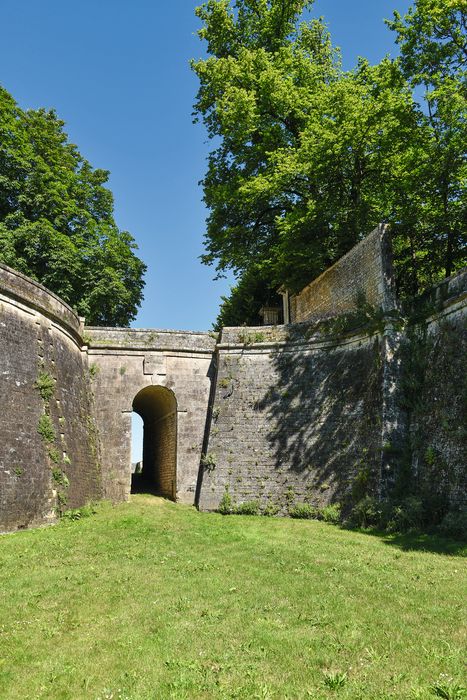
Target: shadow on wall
x,y
324,417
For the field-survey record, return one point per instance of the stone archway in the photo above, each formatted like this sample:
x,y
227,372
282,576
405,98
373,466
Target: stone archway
x,y
157,406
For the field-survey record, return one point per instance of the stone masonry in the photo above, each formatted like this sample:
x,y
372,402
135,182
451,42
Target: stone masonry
x,y
303,412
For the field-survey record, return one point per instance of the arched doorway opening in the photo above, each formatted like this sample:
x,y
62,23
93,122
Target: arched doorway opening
x,y
157,407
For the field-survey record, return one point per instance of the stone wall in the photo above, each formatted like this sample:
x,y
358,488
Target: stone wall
x,y
434,391
125,361
316,411
165,439
304,414
48,457
295,419
365,273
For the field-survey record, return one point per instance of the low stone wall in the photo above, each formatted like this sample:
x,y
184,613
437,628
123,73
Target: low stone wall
x,y
365,273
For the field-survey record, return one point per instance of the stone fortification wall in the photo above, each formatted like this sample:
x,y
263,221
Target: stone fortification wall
x,y
125,361
48,459
295,418
363,274
434,392
327,409
302,414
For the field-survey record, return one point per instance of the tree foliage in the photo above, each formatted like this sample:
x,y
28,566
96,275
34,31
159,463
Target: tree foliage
x,y
308,158
56,219
433,41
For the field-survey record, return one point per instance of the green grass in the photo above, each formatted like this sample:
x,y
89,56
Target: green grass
x,y
152,600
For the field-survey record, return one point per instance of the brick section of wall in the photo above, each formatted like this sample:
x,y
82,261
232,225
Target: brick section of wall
x,y
165,438
294,423
364,273
34,339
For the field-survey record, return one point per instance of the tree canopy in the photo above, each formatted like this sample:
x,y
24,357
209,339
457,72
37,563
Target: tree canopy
x,y
308,158
56,219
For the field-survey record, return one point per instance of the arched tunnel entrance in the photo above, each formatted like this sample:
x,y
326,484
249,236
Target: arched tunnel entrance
x,y
157,407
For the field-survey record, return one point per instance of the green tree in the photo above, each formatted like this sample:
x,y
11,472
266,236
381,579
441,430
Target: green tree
x,y
433,40
245,300
308,157
56,219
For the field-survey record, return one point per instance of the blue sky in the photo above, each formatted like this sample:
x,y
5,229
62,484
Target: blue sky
x,y
117,72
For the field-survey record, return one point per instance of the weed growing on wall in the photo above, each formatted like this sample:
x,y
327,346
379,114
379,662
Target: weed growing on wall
x,y
251,337
60,477
45,428
45,384
54,455
93,370
208,461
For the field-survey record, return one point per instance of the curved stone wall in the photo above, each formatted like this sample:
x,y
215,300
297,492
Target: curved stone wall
x,y
294,417
48,447
302,414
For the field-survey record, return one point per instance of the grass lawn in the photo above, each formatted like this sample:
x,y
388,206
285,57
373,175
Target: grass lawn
x,y
151,600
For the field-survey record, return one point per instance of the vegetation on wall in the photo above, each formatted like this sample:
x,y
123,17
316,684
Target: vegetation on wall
x,y
309,158
56,219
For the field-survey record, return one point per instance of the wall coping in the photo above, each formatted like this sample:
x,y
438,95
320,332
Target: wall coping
x,y
35,295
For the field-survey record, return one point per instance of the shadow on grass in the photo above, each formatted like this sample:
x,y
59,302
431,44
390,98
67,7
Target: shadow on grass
x,y
146,487
419,542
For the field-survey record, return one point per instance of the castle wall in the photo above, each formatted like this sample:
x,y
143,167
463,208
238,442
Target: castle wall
x,y
56,468
124,361
301,414
434,389
365,273
317,411
294,418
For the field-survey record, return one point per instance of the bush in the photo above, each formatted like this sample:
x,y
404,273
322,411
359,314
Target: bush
x,y
226,505
247,508
366,513
270,509
331,513
303,510
404,516
80,513
454,524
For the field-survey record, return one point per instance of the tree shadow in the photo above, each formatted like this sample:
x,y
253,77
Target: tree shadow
x,y
322,414
418,542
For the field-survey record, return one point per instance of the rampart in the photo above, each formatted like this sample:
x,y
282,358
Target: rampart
x,y
48,447
316,412
360,398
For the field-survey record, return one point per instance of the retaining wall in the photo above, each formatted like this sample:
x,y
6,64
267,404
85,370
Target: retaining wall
x,y
40,336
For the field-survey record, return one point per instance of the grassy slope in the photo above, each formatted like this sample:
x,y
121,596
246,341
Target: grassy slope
x,y
154,600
